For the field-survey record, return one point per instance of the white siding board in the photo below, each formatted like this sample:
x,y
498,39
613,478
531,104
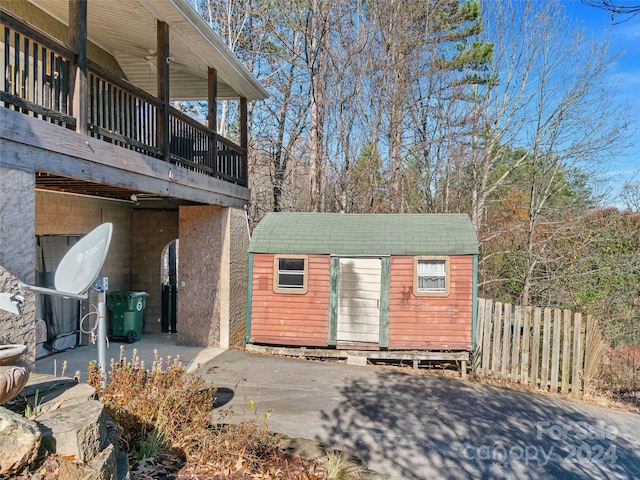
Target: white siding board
x,y
359,288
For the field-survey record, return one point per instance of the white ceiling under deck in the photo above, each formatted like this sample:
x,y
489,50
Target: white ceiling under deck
x,y
127,30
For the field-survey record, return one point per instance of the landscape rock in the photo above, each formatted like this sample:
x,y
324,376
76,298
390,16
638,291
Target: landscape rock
x,y
47,387
19,442
104,466
78,431
77,394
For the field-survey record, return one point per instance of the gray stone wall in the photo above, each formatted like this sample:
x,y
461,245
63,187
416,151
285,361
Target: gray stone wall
x,y
239,277
17,254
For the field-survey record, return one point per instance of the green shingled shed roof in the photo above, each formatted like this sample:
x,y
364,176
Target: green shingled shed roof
x,y
364,234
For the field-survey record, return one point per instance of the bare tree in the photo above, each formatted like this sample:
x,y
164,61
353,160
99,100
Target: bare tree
x,y
396,26
316,23
631,196
284,118
428,59
617,8
352,121
234,21
553,102
454,66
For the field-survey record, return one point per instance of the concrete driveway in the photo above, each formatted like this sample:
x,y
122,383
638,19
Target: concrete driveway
x,y
421,427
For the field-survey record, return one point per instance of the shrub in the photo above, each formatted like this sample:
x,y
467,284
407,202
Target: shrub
x,y
621,372
163,398
164,409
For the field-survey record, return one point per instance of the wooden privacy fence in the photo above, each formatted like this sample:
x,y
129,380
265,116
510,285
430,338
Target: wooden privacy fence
x,y
548,348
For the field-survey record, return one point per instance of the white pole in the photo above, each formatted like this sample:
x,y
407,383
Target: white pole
x,y
102,336
246,217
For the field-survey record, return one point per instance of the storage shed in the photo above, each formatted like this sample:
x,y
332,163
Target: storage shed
x,y
373,281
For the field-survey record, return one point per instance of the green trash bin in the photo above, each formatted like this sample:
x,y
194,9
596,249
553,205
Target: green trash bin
x,y
126,310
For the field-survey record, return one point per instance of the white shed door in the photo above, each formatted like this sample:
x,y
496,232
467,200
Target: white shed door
x,y
359,301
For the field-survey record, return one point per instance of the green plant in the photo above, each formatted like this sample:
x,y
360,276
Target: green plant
x,y
152,445
32,411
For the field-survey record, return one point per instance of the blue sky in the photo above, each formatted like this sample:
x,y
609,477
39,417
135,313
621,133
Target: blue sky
x,y
624,38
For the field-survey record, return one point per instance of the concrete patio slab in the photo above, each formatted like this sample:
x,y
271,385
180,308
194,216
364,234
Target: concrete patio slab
x,y
165,344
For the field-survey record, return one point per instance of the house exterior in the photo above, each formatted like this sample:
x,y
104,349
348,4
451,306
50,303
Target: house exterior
x,y
89,134
382,281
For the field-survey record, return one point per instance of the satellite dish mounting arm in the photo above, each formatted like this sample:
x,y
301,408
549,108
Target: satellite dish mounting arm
x,y
52,291
76,274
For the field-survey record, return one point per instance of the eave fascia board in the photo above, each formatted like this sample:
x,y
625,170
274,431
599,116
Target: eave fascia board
x,y
254,91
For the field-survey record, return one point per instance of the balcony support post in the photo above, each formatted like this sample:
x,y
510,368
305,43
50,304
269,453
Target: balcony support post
x,y
212,117
163,59
244,138
78,90
244,132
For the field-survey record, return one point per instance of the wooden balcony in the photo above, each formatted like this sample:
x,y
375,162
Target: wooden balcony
x,y
41,80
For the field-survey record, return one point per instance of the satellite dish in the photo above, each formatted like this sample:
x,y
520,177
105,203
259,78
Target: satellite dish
x,y
76,273
81,265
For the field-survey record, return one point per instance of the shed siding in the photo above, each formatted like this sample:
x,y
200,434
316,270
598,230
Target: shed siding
x,y
290,319
430,323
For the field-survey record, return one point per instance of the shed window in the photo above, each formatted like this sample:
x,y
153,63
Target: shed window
x,y
290,274
431,277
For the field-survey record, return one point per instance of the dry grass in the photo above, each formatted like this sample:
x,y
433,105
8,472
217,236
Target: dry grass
x,y
591,396
164,424
619,375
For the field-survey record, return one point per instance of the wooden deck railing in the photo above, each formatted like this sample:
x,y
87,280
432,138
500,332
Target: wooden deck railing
x,y
121,113
37,74
36,71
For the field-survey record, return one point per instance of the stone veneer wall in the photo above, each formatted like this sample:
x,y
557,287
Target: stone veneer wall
x,y
213,272
17,254
201,243
239,278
